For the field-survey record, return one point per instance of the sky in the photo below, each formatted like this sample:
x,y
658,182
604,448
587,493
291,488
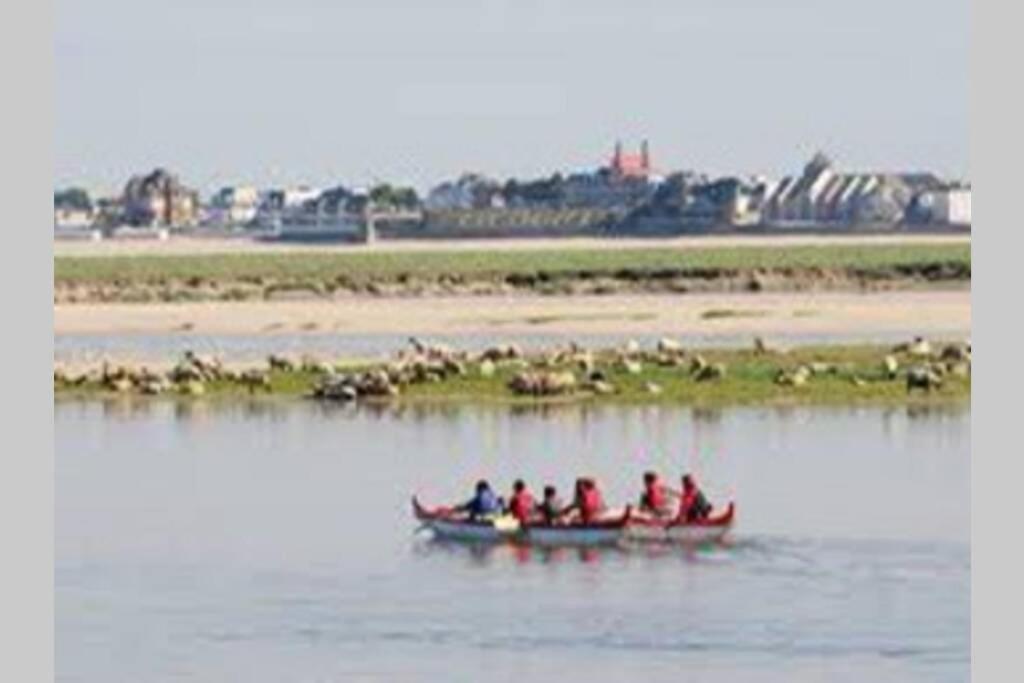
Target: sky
x,y
327,92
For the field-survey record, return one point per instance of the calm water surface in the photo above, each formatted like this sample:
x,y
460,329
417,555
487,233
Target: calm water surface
x,y
273,542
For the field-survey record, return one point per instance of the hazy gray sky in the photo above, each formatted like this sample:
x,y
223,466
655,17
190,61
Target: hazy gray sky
x,y
321,91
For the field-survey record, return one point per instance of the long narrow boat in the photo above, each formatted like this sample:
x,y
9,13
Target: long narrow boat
x,y
446,526
607,531
678,531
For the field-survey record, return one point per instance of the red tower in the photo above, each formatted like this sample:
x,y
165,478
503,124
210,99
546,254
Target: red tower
x,y
631,165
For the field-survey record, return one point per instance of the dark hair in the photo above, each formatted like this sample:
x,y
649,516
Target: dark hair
x,y
519,485
650,477
549,490
688,480
482,485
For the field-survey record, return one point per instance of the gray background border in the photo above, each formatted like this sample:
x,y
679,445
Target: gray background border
x,y
26,298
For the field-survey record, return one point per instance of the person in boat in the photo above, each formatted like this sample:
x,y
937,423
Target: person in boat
x,y
521,504
588,503
693,506
483,503
656,498
550,507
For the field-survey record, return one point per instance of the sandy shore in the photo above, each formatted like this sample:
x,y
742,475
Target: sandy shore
x,y
927,312
212,245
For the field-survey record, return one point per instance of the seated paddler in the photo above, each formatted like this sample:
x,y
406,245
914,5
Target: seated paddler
x,y
694,505
521,504
483,504
656,499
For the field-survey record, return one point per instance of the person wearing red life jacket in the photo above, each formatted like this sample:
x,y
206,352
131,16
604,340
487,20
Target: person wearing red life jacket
x,y
521,504
655,499
587,503
693,506
593,502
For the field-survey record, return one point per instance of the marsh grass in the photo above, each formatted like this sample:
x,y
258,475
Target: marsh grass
x,y
544,269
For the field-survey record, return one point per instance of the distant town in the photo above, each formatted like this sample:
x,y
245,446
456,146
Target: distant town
x,y
626,196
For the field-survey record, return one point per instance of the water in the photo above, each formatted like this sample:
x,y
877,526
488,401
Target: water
x,y
163,347
272,541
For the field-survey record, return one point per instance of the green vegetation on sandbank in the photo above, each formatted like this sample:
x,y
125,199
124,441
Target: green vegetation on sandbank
x,y
247,275
837,375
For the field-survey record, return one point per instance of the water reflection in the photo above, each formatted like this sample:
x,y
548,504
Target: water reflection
x,y
488,554
569,414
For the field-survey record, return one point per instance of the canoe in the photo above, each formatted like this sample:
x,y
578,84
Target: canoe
x,y
447,527
503,529
676,530
608,531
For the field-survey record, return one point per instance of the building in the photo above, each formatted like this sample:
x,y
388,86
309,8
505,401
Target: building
x,y
234,206
948,205
631,165
73,209
69,217
159,199
469,191
278,205
627,181
335,214
821,195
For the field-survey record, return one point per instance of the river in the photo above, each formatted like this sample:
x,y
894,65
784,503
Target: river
x,y
273,541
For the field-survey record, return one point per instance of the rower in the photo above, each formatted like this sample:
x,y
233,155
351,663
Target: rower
x,y
588,502
693,505
521,502
655,498
483,503
594,506
551,507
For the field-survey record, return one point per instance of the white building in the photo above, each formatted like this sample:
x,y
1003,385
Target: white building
x,y
821,195
950,205
281,204
234,205
66,217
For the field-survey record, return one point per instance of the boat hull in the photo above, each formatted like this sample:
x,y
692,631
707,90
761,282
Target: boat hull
x,y
675,531
445,527
553,536
623,527
441,523
467,532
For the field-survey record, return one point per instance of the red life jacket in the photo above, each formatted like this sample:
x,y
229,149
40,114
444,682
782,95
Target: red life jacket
x,y
656,498
521,505
592,504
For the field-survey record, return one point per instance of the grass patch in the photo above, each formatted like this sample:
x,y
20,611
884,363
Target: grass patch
x,y
517,267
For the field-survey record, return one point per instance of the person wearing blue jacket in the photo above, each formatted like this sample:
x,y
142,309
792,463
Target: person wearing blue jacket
x,y
483,504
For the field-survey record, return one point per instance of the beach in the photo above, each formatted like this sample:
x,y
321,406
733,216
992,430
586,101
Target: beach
x,y
927,312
